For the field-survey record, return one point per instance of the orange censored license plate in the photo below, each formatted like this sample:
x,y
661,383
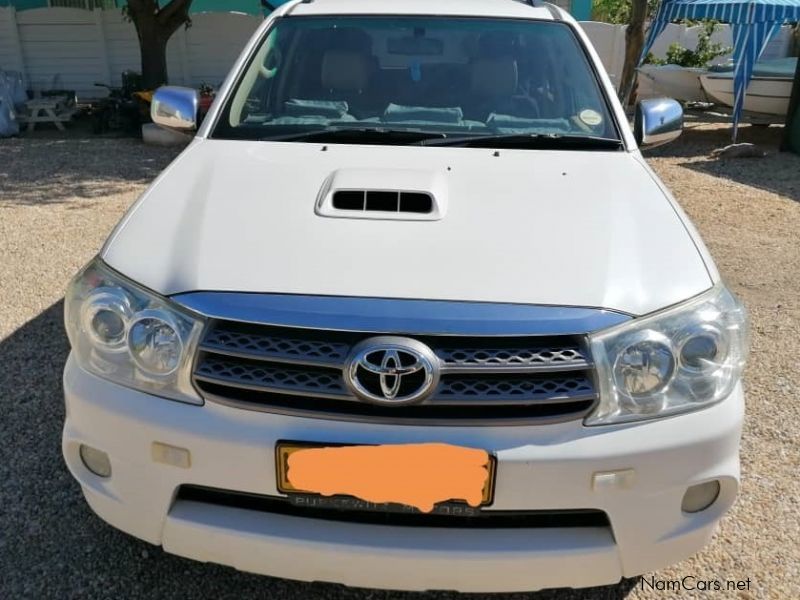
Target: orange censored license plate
x,y
418,475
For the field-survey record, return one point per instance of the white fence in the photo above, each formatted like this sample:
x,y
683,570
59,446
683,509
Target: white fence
x,y
72,48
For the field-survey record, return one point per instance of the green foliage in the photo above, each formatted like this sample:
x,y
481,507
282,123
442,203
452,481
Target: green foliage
x,y
705,52
618,11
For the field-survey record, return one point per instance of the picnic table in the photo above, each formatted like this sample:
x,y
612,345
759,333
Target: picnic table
x,y
53,109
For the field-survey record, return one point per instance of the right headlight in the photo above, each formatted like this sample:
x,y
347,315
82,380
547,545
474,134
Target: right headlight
x,y
127,334
680,359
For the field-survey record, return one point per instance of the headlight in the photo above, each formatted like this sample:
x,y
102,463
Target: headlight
x,y
681,359
129,335
154,342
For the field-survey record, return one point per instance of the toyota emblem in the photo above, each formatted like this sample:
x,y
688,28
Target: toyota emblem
x,y
392,370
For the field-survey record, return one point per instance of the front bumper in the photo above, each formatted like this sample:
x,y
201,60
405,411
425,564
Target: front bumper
x,y
540,467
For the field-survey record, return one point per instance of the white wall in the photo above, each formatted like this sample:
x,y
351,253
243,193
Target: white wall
x,y
73,48
10,49
64,44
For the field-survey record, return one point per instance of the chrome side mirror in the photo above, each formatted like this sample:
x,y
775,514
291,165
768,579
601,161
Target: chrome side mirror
x,y
657,122
175,107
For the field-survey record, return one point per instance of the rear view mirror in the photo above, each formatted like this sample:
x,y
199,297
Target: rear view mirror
x,y
175,107
416,46
657,122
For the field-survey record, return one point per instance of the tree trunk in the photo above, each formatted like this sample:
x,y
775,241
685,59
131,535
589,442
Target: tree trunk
x,y
153,50
794,104
634,42
154,26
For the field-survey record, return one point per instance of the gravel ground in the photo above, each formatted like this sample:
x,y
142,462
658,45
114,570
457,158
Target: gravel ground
x,y
60,197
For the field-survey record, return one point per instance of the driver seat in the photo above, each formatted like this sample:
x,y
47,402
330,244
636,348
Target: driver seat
x,y
347,68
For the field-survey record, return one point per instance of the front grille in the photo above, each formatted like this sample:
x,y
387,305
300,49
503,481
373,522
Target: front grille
x,y
280,347
501,380
557,358
517,389
293,379
356,511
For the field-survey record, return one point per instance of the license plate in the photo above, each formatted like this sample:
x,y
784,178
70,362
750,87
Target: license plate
x,y
416,475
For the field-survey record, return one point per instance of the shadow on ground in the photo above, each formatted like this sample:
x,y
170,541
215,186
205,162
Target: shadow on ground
x,y
697,145
47,169
782,168
52,545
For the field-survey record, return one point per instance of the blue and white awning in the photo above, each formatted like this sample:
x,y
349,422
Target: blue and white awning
x,y
753,23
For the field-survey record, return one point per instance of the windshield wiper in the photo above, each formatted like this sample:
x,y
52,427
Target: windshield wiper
x,y
539,141
358,135
382,135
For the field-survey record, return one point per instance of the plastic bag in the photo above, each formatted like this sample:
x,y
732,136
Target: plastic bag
x,y
16,89
8,119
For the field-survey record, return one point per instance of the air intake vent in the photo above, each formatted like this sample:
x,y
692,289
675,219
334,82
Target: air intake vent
x,y
384,194
383,201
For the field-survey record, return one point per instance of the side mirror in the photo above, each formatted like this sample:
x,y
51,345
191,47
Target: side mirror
x,y
175,108
657,122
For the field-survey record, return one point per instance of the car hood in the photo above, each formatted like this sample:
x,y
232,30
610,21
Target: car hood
x,y
567,228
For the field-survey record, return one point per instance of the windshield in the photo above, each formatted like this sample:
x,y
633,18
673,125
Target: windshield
x,y
403,80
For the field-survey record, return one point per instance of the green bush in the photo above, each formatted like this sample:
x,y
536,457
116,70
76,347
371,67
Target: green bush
x,y
705,52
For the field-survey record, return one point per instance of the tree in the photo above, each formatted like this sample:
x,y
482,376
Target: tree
x,y
154,26
794,102
617,12
634,43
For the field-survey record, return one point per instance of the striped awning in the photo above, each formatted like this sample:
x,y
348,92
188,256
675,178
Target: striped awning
x,y
753,23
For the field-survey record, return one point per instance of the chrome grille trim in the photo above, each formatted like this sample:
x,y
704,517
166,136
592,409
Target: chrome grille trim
x,y
275,349
334,355
571,412
268,378
513,360
484,380
515,390
224,370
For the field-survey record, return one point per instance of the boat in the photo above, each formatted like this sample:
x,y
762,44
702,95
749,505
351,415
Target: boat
x,y
768,92
681,83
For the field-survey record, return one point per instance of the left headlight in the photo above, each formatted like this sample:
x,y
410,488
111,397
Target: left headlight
x,y
124,333
681,359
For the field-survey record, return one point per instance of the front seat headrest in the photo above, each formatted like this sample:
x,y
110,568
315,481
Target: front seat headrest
x,y
494,77
345,71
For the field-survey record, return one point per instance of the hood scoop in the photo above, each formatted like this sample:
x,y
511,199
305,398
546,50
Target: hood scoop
x,y
398,194
380,201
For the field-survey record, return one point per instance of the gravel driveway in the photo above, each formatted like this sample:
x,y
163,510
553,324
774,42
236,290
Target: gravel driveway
x,y
59,198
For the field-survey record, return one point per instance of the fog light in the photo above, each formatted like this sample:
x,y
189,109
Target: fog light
x,y
700,497
96,461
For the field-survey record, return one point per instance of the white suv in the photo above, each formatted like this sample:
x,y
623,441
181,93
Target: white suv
x,y
412,312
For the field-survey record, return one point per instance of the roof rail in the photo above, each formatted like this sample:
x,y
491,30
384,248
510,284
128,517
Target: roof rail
x,y
542,4
291,9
